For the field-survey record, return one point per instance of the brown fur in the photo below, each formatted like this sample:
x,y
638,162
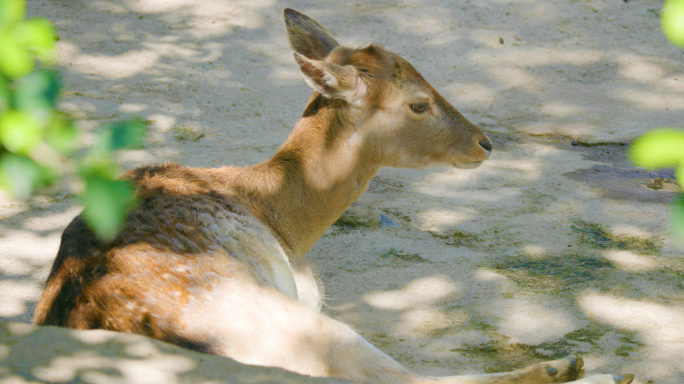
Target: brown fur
x,y
211,258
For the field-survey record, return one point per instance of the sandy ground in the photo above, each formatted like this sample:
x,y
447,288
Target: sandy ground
x,y
555,246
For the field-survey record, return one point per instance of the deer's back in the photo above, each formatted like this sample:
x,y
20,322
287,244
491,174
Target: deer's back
x,y
187,234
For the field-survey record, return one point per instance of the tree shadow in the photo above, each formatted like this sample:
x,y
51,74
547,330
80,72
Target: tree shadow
x,y
62,355
536,75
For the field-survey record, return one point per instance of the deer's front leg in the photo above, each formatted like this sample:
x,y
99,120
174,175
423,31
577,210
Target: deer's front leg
x,y
568,370
557,371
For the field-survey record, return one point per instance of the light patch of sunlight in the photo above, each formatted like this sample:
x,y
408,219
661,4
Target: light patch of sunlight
x,y
215,6
132,107
113,67
578,129
282,76
496,282
161,122
635,67
533,57
106,6
441,220
530,168
142,348
657,323
631,262
451,175
207,18
470,93
490,39
529,322
674,83
15,295
543,10
454,183
81,110
21,329
97,336
149,364
161,368
153,369
514,77
52,222
534,250
650,100
443,37
625,229
420,292
422,23
483,274
136,157
560,109
470,198
512,1
424,320
209,51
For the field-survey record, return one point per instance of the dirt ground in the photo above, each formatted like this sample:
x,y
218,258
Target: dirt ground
x,y
555,246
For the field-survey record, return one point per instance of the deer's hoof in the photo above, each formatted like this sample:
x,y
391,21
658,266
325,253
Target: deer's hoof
x,y
557,371
624,379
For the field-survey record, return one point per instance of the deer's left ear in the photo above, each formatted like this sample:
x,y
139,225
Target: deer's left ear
x,y
307,37
333,81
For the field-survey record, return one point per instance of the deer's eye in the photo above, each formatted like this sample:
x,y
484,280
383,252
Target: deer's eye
x,y
420,107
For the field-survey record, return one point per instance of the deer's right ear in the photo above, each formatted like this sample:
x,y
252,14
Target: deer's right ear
x,y
307,37
332,80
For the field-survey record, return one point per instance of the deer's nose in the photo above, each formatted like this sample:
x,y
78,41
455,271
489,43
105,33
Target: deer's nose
x,y
487,145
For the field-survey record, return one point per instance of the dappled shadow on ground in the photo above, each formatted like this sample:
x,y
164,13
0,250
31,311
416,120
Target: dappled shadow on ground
x,y
62,355
517,261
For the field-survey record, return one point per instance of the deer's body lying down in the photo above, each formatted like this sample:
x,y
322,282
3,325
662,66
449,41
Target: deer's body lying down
x,y
211,259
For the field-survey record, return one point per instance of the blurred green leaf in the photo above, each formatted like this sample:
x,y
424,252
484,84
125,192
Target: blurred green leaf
x,y
658,148
12,11
21,175
120,135
4,95
37,91
678,217
15,60
106,203
20,131
38,36
62,134
672,21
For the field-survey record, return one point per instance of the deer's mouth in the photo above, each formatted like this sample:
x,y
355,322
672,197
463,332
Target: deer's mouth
x,y
468,165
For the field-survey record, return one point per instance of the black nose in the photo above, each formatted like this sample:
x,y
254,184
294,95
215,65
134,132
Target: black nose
x,y
487,145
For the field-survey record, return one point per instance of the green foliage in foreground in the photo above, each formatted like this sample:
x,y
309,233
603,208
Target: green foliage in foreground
x,y
664,147
35,138
672,21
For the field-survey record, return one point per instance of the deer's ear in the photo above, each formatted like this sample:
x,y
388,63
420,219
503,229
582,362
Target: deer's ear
x,y
333,81
307,37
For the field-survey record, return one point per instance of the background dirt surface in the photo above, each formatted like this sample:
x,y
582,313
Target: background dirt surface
x,y
555,246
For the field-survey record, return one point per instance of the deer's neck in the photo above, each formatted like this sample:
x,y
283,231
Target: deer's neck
x,y
318,172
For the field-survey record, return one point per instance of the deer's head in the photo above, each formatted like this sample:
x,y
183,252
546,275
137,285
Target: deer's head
x,y
400,119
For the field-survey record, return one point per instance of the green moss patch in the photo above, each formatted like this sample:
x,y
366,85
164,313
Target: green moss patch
x,y
353,219
187,133
597,236
458,238
554,274
499,354
403,256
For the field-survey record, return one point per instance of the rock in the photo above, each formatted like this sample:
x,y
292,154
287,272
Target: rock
x,y
33,354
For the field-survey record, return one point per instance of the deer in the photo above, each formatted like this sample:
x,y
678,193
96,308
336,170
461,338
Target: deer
x,y
212,259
